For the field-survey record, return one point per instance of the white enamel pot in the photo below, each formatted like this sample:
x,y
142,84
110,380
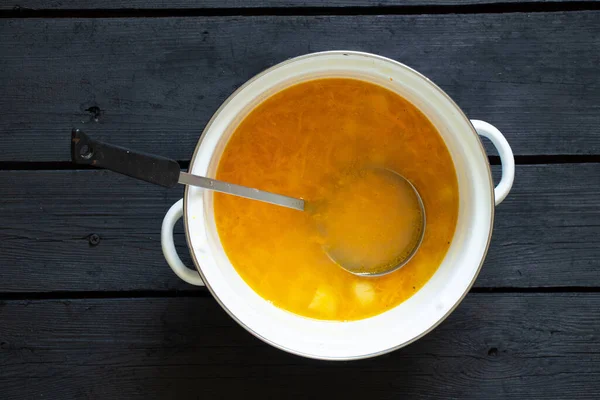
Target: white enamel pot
x,y
411,319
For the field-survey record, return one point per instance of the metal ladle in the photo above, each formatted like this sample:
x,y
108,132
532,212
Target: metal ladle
x,y
166,172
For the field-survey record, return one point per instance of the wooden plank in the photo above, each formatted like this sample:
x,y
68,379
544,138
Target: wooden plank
x,y
494,346
243,4
153,83
546,229
547,232
48,218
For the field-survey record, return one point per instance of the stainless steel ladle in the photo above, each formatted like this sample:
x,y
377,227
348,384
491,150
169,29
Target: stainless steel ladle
x,y
167,173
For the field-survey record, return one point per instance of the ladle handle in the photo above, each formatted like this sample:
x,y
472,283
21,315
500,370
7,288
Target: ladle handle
x,y
147,167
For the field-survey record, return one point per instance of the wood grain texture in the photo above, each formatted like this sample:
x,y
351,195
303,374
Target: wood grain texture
x,y
241,4
547,232
494,346
153,83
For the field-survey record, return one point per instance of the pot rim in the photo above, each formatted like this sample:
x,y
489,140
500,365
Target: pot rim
x,y
361,356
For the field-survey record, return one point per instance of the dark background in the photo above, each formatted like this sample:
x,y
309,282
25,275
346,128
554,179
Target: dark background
x,y
88,306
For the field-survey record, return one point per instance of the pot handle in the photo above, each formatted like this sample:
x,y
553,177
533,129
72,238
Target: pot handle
x,y
506,157
168,246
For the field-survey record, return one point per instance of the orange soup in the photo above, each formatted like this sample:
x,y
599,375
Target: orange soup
x,y
305,142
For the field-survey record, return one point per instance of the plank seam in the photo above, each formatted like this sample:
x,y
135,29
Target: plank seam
x,y
495,8
91,295
185,164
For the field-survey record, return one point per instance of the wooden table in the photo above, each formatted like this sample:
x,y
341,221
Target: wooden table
x,y
88,306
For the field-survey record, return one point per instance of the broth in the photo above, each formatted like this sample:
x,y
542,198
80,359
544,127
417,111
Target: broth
x,y
302,142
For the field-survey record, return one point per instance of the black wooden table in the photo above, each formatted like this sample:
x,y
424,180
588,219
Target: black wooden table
x,y
88,306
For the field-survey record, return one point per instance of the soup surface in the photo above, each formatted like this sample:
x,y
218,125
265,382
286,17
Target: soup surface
x,y
307,141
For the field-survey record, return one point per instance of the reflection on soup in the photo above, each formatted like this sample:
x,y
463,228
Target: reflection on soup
x,y
302,142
